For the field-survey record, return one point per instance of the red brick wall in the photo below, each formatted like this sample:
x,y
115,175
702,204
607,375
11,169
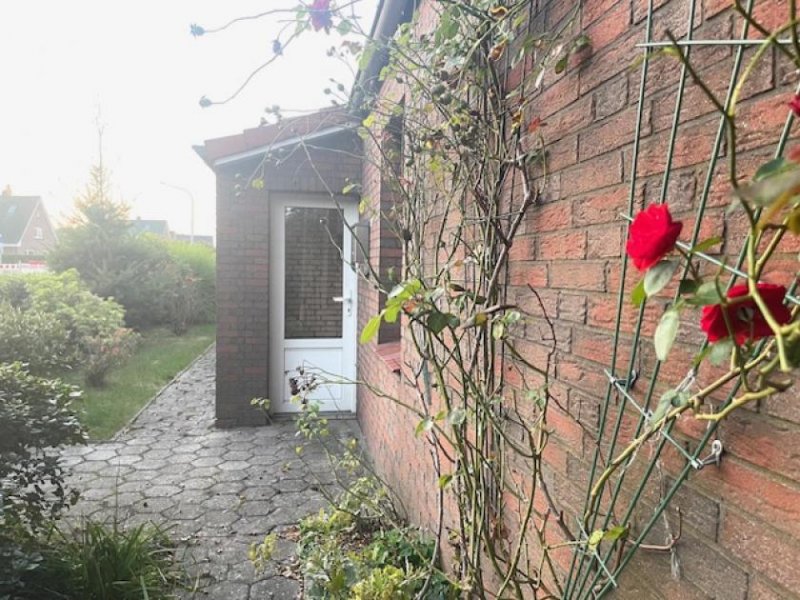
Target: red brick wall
x,y
741,535
243,263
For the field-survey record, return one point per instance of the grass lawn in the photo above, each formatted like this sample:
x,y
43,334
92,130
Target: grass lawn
x,y
159,357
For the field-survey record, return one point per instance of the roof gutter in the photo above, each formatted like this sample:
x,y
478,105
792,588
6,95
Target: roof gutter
x,y
388,17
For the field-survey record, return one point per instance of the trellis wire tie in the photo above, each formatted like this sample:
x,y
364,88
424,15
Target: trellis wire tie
x,y
596,554
647,414
714,457
715,261
626,381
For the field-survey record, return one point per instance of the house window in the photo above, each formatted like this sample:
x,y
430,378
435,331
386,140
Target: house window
x,y
391,249
38,233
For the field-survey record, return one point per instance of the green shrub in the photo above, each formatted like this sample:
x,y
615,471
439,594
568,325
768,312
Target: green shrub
x,y
67,297
35,338
35,418
358,547
200,262
103,353
52,322
383,583
329,572
96,561
35,415
348,553
177,298
159,282
128,269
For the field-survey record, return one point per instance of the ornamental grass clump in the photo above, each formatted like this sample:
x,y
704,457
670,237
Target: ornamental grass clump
x,y
104,561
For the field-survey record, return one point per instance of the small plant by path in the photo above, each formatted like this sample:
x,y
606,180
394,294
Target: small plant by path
x,y
359,546
97,560
160,356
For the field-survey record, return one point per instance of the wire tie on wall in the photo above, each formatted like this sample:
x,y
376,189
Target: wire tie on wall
x,y
596,554
714,457
628,382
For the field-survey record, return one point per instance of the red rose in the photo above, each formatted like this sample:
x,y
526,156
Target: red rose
x,y
320,13
795,105
652,235
746,320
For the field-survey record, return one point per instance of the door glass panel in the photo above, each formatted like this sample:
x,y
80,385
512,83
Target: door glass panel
x,y
313,273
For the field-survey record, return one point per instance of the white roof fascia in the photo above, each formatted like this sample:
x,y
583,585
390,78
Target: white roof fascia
x,y
282,144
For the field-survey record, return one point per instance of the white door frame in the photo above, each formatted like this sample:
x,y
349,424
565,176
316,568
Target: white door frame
x,y
277,286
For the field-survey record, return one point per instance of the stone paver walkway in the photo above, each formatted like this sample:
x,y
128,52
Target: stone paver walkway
x,y
219,489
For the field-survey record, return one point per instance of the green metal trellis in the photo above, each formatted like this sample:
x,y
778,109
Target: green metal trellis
x,y
591,572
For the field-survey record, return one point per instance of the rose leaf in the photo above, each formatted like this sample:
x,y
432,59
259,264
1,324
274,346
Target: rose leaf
x,y
638,294
658,277
666,332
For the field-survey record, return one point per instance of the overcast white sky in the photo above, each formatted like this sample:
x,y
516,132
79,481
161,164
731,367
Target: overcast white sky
x,y
60,61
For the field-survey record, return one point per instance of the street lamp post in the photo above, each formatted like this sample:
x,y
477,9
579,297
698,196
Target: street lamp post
x,y
191,206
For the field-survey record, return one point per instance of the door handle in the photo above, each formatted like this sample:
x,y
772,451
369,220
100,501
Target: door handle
x,y
345,300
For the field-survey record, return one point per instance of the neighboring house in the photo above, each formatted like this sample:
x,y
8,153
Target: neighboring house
x,y
277,188
160,228
157,227
25,227
205,240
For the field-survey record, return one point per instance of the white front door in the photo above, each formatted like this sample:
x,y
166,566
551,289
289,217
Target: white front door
x,y
312,301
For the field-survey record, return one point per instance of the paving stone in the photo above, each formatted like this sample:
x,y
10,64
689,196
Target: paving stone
x,y
101,454
227,487
184,510
212,451
126,459
186,448
259,493
243,455
182,458
162,490
275,588
158,453
114,471
207,461
222,502
215,490
167,477
88,467
292,485
225,591
97,493
234,465
151,464
198,483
